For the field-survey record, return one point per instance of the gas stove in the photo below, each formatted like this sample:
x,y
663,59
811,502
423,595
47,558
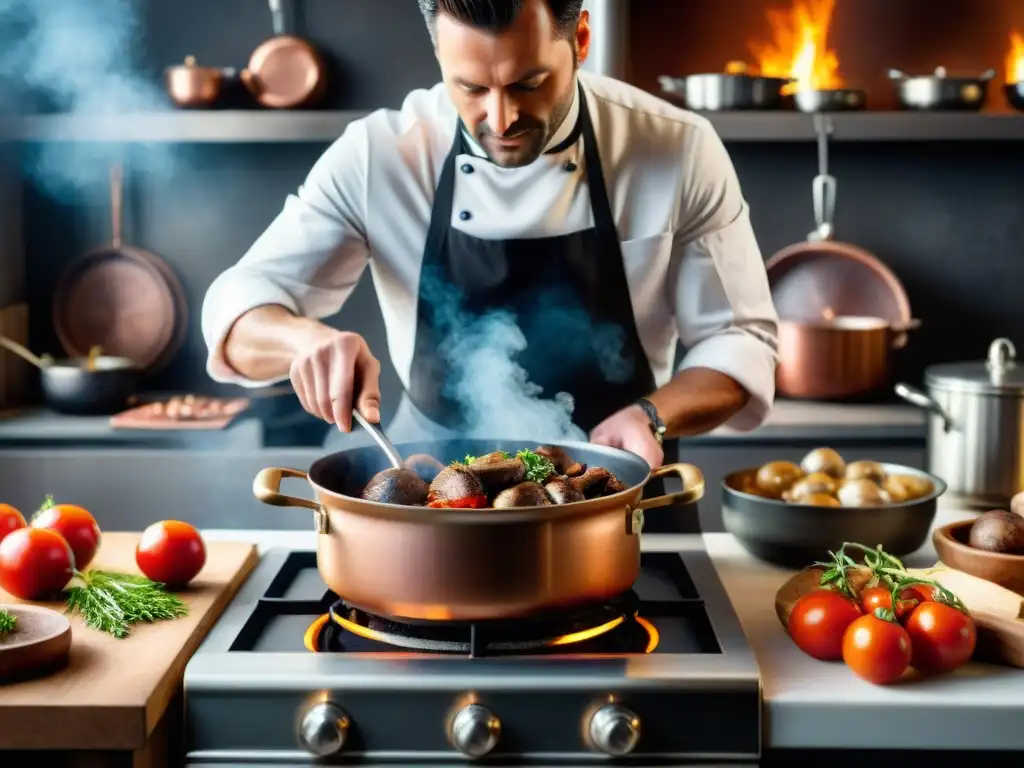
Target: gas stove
x,y
292,675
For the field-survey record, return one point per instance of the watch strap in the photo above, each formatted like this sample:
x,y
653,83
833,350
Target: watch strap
x,y
657,425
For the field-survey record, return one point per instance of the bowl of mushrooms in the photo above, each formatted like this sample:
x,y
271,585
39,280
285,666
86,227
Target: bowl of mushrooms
x,y
791,514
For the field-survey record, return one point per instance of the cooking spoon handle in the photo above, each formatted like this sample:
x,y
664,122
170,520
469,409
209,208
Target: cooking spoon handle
x,y
22,352
382,440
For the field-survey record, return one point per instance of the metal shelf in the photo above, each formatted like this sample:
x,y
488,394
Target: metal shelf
x,y
242,126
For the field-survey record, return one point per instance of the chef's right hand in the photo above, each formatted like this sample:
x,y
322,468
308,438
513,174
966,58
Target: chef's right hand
x,y
335,373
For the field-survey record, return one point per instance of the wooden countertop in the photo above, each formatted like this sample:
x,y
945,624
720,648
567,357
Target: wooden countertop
x,y
113,692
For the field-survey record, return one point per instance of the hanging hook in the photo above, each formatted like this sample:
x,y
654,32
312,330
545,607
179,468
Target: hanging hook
x,y
824,186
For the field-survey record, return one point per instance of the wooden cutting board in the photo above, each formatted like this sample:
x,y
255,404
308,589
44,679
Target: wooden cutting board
x,y
993,608
112,692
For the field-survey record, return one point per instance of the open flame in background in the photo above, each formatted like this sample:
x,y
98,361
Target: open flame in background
x,y
798,47
1015,59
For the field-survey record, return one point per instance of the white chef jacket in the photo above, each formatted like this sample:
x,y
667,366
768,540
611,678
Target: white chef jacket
x,y
692,262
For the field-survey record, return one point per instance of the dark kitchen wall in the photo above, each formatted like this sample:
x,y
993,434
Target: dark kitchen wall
x,y
949,218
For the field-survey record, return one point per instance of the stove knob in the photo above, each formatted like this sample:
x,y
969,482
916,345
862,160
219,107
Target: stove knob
x,y
324,729
615,730
475,730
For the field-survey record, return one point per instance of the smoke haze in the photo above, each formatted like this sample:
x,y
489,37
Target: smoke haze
x,y
77,58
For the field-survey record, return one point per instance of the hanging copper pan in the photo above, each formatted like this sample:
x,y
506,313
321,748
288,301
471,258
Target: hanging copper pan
x,y
285,71
842,311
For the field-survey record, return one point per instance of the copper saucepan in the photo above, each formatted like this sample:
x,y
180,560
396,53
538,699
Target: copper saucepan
x,y
285,71
837,356
469,565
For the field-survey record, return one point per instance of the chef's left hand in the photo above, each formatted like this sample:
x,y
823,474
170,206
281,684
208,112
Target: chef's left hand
x,y
630,430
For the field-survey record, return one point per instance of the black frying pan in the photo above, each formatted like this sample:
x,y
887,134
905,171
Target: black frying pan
x,y
97,385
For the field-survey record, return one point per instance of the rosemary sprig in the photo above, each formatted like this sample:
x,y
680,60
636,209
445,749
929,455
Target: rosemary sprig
x,y
538,468
8,623
113,602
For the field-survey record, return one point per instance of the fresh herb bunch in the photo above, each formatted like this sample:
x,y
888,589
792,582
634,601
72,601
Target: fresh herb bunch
x,y
538,468
113,602
8,623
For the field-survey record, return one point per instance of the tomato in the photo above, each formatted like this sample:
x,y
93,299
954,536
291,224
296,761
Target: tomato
x,y
469,502
881,597
171,552
75,524
920,592
35,563
943,638
818,621
10,520
876,650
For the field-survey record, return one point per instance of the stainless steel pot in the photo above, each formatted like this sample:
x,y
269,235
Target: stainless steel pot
x,y
719,91
939,91
469,565
976,425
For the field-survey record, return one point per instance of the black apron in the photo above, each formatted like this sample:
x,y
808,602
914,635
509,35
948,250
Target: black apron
x,y
568,294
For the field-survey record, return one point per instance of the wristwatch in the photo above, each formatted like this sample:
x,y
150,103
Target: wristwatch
x,y
657,425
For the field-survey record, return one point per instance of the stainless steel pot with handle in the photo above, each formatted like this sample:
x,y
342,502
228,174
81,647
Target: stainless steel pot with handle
x,y
976,425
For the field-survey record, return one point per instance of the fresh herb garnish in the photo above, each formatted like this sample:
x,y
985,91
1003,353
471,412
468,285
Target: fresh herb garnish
x,y
8,623
112,602
470,459
538,468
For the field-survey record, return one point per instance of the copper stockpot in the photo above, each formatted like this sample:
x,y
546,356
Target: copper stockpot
x,y
469,565
192,86
837,357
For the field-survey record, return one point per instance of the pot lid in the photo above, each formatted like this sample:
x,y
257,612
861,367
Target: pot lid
x,y
1000,373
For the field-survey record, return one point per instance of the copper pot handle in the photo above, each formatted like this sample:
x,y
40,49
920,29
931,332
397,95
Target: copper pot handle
x,y
267,488
693,486
899,332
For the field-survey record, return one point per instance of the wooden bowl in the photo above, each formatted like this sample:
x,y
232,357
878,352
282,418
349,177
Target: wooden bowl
x,y
39,644
951,545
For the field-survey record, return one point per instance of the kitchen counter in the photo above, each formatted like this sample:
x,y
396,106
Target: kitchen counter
x,y
816,705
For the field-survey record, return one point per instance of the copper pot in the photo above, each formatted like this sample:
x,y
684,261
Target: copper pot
x,y
837,357
190,85
285,71
469,565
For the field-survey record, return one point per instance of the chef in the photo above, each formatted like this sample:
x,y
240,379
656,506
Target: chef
x,y
519,183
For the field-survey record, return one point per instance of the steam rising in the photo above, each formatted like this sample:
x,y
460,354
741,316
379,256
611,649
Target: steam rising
x,y
76,57
485,378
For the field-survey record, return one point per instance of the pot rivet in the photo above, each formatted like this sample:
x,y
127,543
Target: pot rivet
x,y
636,522
320,520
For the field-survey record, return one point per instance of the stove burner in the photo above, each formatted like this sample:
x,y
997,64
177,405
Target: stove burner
x,y
611,627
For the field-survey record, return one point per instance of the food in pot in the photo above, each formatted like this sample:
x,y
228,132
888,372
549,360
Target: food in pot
x,y
906,487
998,531
826,461
498,480
866,470
817,484
397,486
776,477
862,493
819,500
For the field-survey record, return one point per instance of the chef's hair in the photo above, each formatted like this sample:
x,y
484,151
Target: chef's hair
x,y
496,15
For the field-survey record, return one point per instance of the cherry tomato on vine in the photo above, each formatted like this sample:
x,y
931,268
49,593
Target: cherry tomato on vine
x,y
877,650
75,524
943,637
10,520
873,598
818,621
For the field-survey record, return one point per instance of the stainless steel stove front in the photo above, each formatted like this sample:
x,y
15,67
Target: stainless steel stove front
x,y
278,709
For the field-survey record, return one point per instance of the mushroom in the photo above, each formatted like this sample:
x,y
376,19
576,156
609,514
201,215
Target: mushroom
x,y
998,531
861,493
528,494
563,490
496,472
818,500
564,463
776,477
455,482
397,486
614,485
816,484
866,470
593,482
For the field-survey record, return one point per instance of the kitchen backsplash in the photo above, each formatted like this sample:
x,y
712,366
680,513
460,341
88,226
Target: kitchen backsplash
x,y
948,218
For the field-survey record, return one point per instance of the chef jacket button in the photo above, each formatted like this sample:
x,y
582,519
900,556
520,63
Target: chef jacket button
x,y
467,168
465,215
570,167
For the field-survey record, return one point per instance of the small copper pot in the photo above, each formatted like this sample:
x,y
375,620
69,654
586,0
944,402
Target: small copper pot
x,y
192,86
470,565
837,357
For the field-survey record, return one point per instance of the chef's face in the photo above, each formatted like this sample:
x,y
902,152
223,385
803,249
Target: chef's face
x,y
512,88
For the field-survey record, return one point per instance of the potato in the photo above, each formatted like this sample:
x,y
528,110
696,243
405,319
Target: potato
x,y
825,460
817,484
861,493
818,500
776,477
906,487
866,470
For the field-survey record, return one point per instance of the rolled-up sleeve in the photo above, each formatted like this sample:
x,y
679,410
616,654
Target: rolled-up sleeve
x,y
308,260
719,287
